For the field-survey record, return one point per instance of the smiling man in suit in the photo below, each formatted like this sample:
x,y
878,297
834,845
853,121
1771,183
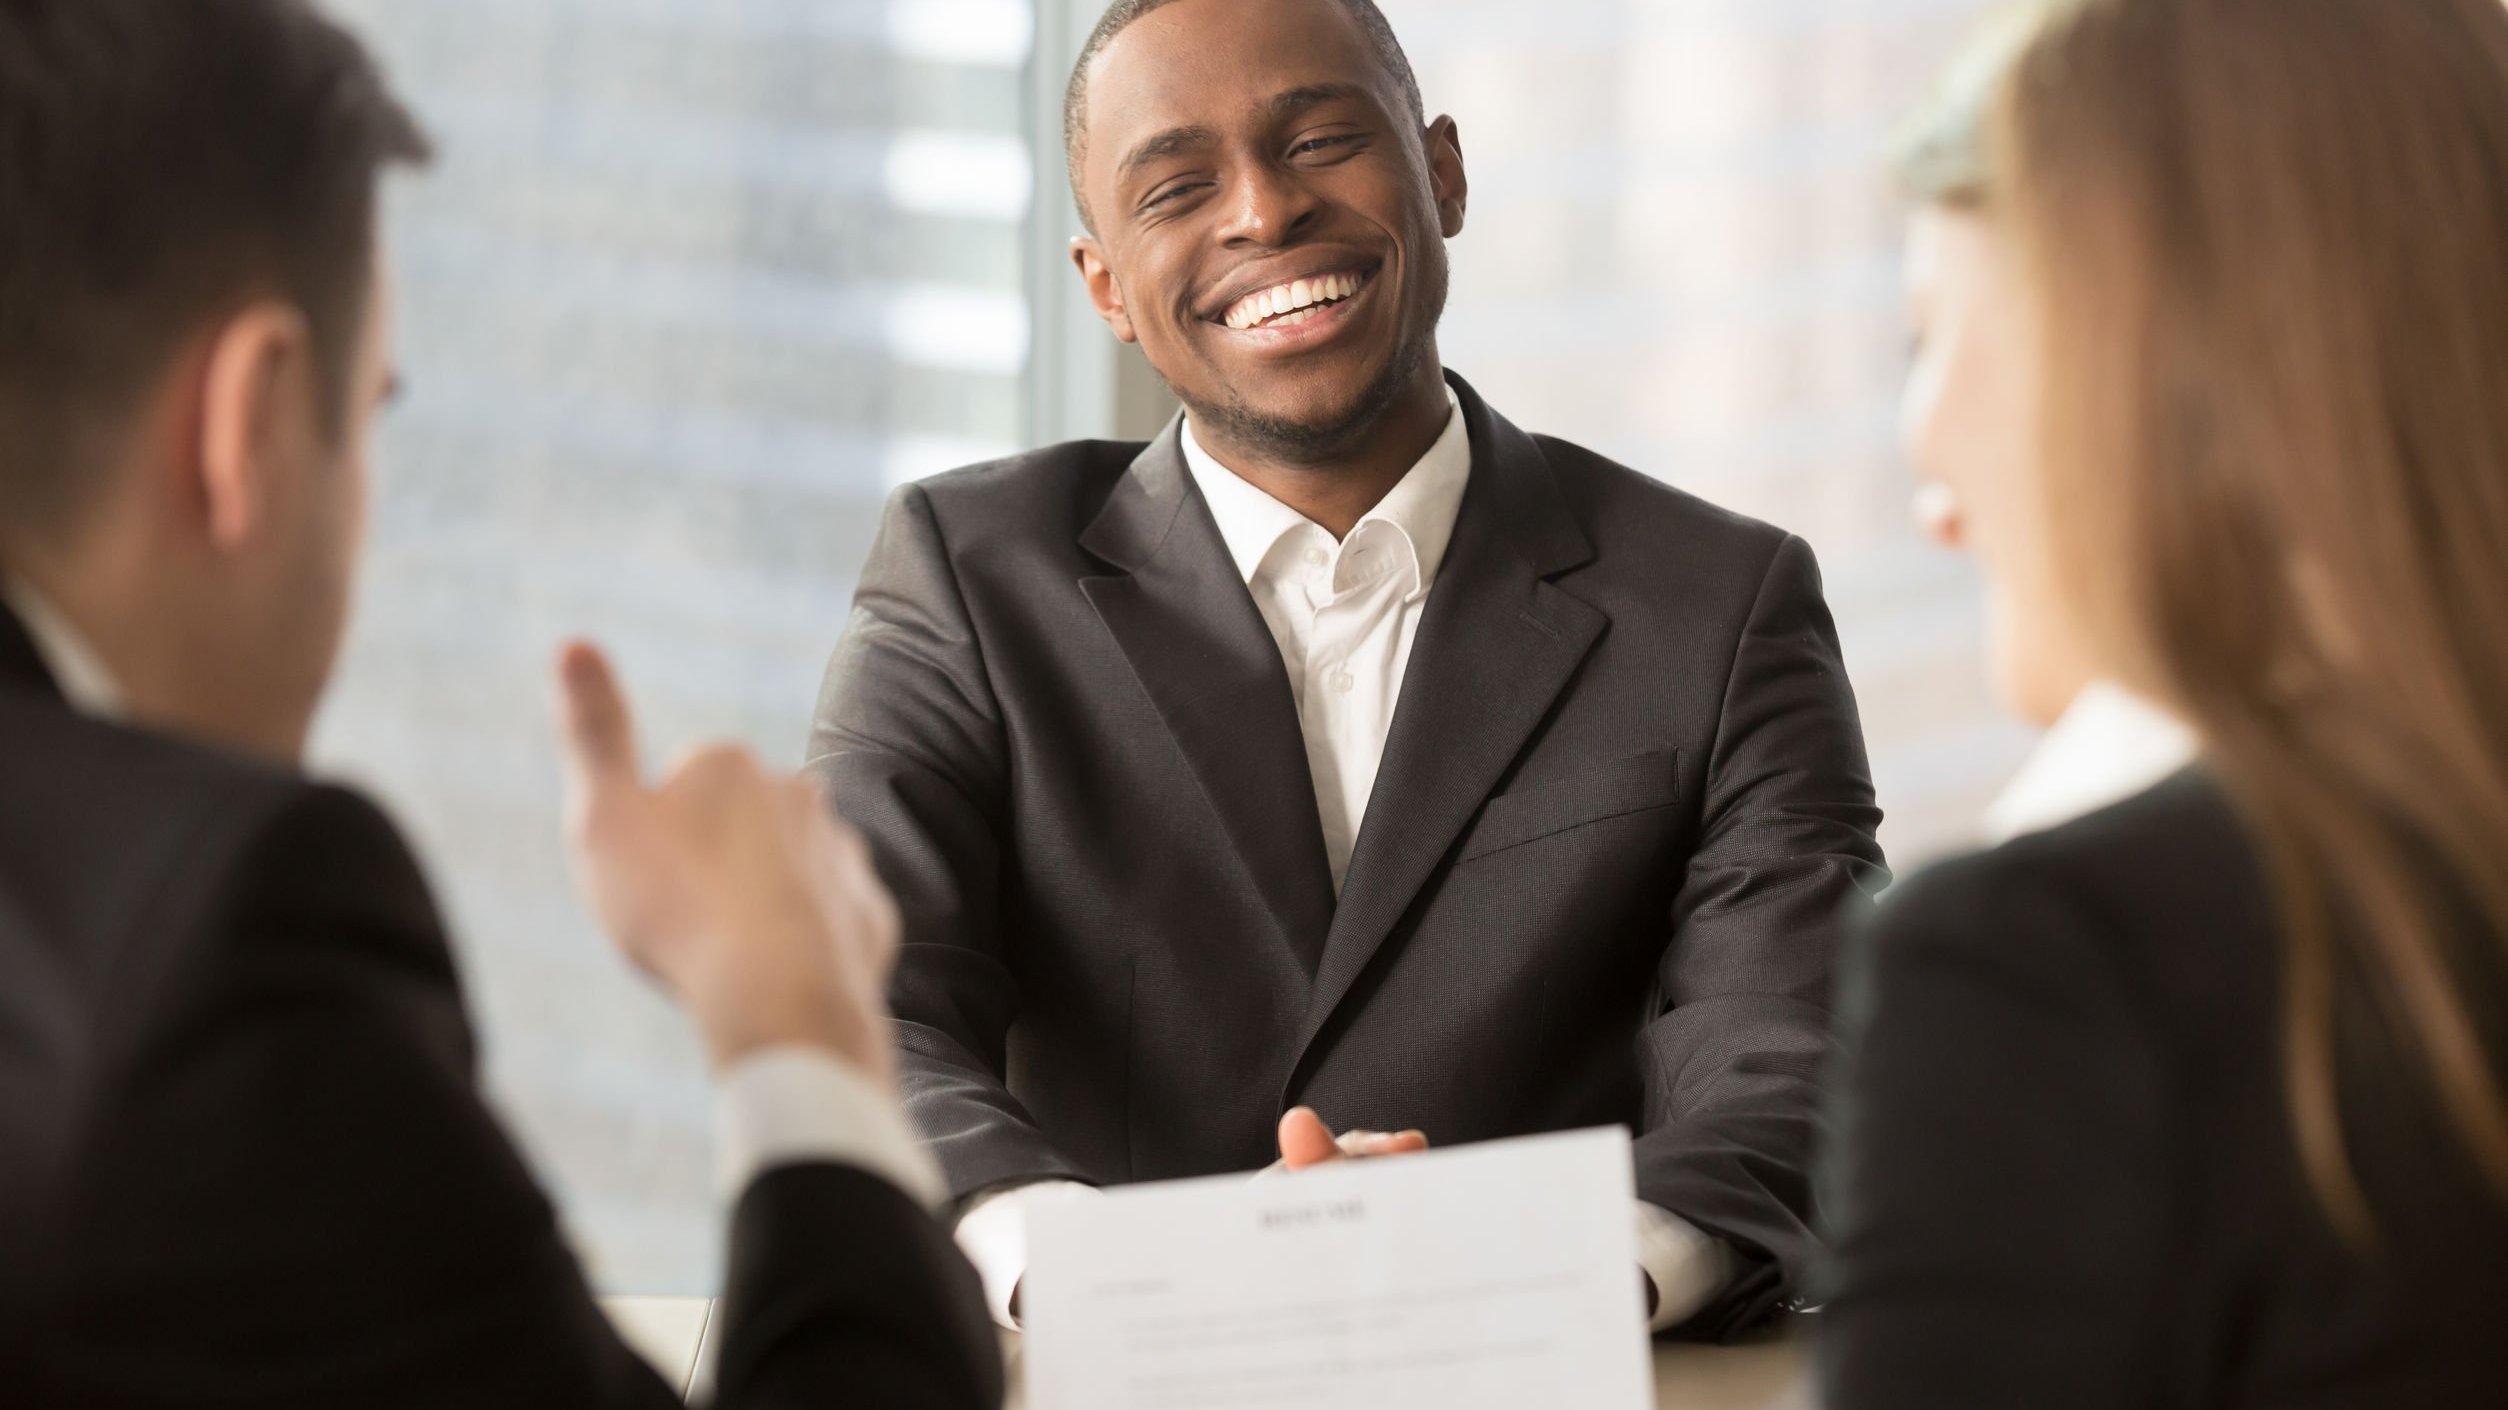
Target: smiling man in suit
x,y
1345,748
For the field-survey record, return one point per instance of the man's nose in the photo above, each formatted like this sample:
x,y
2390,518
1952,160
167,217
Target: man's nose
x,y
1268,206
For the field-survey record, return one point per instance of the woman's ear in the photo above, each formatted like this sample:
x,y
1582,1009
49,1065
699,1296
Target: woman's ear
x,y
258,398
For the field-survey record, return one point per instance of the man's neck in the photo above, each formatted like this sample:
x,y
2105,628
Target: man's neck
x,y
107,623
1336,493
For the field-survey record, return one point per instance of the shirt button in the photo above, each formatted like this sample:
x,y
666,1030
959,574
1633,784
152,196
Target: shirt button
x,y
1343,682
1315,556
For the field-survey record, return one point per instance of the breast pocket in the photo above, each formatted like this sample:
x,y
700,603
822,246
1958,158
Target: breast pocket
x,y
1638,784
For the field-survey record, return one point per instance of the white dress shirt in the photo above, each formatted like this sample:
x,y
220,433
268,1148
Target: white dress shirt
x,y
1345,615
779,1106
2109,746
80,673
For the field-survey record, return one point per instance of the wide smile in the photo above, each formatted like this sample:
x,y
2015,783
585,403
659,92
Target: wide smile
x,y
1297,313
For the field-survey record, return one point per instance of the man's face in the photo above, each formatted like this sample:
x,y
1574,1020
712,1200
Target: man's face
x,y
1270,221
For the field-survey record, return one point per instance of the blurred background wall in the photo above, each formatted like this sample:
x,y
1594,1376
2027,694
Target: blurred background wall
x,y
696,282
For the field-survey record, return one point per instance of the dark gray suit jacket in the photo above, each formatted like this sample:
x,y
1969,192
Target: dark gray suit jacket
x,y
2066,1176
1621,820
243,1161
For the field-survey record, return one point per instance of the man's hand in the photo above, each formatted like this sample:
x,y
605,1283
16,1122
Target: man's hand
x,y
1306,1141
734,887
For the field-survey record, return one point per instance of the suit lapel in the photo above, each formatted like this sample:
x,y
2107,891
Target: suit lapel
x,y
1496,646
1188,626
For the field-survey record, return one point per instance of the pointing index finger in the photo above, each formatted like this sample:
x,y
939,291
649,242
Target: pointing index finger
x,y
598,731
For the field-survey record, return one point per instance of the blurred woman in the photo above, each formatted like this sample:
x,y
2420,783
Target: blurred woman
x,y
2203,1099
1965,417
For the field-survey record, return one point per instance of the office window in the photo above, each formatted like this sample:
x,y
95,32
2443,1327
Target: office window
x,y
694,284
1683,252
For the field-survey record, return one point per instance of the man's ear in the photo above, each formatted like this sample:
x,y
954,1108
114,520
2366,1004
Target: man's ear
x,y
257,396
1104,292
1446,177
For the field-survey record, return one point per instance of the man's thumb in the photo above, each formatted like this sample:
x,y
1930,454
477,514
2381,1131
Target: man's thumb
x,y
1305,1140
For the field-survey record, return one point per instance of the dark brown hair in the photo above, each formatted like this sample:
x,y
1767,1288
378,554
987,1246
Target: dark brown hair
x,y
161,162
2267,238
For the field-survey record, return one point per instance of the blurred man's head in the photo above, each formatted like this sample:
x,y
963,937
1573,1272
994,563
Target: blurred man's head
x,y
1268,208
192,341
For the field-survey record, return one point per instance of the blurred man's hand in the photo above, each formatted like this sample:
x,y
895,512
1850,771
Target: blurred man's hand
x,y
733,886
1305,1141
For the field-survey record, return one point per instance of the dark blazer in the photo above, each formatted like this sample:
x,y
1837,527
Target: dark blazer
x,y
243,1162
2066,1177
1621,814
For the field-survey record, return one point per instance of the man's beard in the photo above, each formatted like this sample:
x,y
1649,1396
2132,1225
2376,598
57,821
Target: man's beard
x,y
1293,442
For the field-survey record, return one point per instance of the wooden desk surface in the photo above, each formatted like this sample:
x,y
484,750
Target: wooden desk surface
x,y
1766,1375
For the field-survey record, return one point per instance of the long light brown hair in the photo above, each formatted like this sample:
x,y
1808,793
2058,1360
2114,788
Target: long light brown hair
x,y
2269,243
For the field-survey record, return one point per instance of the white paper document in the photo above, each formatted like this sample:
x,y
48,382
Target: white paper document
x,y
1492,1277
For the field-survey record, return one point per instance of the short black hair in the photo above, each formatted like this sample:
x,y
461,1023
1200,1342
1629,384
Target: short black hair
x,y
163,161
1120,16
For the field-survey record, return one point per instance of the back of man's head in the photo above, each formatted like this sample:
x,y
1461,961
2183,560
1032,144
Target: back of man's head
x,y
162,163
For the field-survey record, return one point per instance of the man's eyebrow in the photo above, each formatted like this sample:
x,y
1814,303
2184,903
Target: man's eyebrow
x,y
1298,100
1165,144
1181,139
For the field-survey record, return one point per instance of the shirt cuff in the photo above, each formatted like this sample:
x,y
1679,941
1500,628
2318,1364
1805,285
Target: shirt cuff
x,y
994,1237
1687,1265
789,1106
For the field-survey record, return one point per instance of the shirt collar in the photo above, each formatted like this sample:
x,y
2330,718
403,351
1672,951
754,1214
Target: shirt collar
x,y
1421,509
84,680
2109,746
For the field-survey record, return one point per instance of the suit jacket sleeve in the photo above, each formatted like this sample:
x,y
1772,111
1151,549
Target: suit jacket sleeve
x,y
1741,1038
910,742
1998,1183
298,1191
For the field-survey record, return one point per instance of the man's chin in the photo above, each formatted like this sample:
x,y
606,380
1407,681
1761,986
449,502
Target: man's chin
x,y
1303,426
1301,434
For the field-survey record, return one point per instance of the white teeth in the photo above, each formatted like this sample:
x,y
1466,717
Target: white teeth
x,y
1290,304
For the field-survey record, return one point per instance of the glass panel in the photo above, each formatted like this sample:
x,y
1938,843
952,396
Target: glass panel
x,y
1683,253
694,284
